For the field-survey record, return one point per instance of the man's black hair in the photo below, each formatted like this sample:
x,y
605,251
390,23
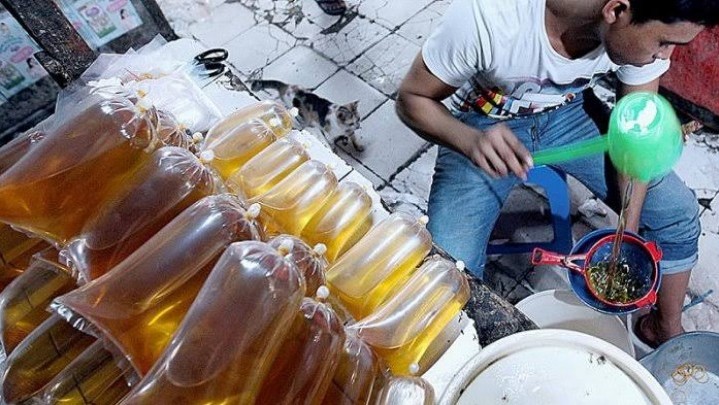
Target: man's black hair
x,y
702,12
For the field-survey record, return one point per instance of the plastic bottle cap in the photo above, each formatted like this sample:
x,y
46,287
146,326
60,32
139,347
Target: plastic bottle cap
x,y
275,122
460,265
320,249
424,220
294,112
197,137
254,211
207,156
414,368
331,166
323,292
285,247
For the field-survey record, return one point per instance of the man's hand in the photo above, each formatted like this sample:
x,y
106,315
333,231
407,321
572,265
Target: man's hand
x,y
498,152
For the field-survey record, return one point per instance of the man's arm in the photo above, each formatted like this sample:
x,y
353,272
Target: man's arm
x,y
639,189
496,150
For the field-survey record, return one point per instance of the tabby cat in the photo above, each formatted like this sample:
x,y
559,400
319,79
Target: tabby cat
x,y
335,121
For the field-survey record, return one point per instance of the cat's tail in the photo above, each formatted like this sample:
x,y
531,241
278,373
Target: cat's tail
x,y
257,85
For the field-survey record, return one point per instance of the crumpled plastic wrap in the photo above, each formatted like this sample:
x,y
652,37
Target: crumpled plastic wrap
x,y
231,335
407,391
160,190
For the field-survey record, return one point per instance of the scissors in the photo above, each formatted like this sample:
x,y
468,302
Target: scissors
x,y
211,63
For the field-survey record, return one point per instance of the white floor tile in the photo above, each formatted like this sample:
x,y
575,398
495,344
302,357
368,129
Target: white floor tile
x,y
384,65
345,45
226,22
258,46
344,87
301,66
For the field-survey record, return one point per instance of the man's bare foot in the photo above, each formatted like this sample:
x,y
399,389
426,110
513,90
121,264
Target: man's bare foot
x,y
650,330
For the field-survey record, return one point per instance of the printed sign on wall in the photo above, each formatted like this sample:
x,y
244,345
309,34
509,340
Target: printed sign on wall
x,y
100,21
18,67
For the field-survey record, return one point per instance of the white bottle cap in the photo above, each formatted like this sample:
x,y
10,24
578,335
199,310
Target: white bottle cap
x,y
294,112
460,265
275,122
197,137
414,368
424,220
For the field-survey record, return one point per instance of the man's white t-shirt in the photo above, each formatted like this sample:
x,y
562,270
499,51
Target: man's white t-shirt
x,y
499,55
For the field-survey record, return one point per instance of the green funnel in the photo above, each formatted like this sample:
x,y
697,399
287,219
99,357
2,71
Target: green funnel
x,y
644,140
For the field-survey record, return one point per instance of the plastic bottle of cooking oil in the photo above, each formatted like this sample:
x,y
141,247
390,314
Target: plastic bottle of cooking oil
x,y
342,221
369,271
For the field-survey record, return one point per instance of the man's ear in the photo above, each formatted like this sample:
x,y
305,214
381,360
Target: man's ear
x,y
616,10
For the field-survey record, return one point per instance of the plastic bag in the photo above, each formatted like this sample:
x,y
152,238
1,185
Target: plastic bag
x,y
24,303
357,377
267,168
303,371
87,155
13,151
173,133
407,391
93,378
40,357
169,183
342,221
368,273
16,251
290,204
401,330
140,303
274,115
309,261
225,346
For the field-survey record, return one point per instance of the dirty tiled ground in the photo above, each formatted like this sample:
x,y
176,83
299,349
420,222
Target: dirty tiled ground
x,y
363,56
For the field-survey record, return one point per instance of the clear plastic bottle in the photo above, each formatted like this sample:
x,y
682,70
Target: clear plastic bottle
x,y
369,272
290,204
231,335
267,168
342,221
169,183
402,329
140,303
24,303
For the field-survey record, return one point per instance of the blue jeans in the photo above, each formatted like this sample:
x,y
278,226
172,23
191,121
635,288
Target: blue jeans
x,y
464,201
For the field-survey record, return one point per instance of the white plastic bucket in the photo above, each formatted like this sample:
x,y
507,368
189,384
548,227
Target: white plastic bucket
x,y
559,309
551,366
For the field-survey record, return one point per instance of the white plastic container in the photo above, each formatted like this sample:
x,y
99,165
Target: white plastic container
x,y
551,366
560,309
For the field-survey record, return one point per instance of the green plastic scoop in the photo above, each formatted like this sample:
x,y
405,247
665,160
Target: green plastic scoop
x,y
644,140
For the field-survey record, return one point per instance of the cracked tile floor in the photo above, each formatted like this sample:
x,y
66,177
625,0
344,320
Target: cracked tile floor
x,y
364,55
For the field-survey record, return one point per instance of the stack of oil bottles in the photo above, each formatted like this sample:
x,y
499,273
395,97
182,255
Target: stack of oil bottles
x,y
144,265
